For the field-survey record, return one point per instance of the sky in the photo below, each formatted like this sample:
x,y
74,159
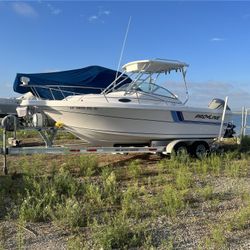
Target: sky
x,y
213,37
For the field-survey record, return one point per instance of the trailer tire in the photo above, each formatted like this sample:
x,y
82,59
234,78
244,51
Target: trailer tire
x,y
200,149
180,149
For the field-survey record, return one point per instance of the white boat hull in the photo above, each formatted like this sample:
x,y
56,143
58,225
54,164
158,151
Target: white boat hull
x,y
116,126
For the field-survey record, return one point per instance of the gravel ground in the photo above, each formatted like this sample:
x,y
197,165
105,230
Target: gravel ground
x,y
186,231
32,236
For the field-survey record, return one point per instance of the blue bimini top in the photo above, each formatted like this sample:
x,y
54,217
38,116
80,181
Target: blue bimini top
x,y
58,85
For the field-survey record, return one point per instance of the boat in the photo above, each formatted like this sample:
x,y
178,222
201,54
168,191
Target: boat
x,y
138,112
8,106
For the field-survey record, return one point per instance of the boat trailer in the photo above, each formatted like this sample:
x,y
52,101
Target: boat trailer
x,y
12,146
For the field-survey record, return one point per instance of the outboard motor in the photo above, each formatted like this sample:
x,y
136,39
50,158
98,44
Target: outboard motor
x,y
217,103
32,116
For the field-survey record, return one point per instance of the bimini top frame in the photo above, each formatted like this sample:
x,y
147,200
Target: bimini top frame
x,y
154,66
148,68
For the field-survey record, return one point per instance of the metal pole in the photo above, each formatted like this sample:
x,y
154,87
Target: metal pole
x,y
123,47
185,82
15,127
5,168
223,118
245,121
242,122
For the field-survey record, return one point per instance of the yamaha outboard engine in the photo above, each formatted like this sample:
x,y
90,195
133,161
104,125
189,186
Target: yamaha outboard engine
x,y
217,103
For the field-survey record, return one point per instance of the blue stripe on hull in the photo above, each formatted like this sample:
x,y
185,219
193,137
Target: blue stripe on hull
x,y
178,117
175,116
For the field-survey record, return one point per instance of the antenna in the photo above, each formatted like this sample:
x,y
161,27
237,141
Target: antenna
x,y
123,46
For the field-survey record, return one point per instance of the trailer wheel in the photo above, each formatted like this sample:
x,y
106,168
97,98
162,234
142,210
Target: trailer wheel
x,y
200,149
180,149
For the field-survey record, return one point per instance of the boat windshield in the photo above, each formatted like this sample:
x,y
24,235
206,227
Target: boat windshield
x,y
146,87
145,76
155,89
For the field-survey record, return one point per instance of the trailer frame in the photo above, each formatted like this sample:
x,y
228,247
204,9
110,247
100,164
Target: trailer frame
x,y
10,123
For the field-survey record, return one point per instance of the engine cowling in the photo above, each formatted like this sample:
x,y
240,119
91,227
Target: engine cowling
x,y
217,103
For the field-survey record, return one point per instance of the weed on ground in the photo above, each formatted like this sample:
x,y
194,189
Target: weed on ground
x,y
125,202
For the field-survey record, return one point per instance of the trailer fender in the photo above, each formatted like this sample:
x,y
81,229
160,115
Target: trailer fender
x,y
171,146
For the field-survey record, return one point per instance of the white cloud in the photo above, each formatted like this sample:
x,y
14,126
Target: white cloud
x,y
53,10
56,11
93,18
217,39
99,16
24,9
105,12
